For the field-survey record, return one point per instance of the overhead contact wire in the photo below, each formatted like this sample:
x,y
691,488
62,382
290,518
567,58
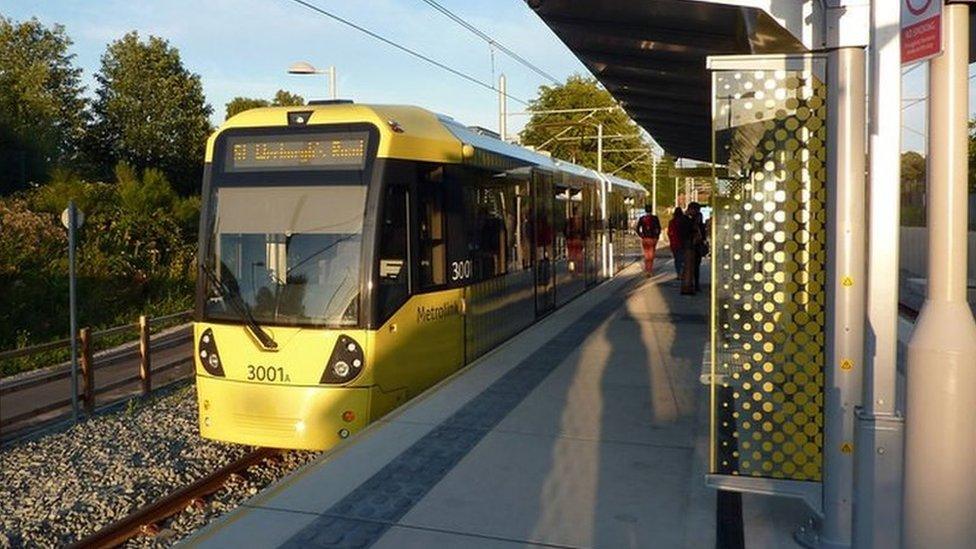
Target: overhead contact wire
x,y
491,41
405,49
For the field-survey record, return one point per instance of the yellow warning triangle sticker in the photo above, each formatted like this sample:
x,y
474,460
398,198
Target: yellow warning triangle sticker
x,y
847,281
847,364
847,447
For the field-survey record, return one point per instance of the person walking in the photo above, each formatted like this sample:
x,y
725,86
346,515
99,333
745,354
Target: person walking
x,y
674,240
692,234
701,248
649,231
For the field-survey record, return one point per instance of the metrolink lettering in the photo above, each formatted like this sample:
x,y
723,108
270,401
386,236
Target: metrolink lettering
x,y
431,314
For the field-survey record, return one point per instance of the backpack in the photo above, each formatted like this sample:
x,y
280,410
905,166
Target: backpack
x,y
648,226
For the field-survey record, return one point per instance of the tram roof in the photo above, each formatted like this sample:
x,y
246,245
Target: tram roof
x,y
491,143
625,184
420,134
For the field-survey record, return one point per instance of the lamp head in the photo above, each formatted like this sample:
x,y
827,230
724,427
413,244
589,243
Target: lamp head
x,y
301,67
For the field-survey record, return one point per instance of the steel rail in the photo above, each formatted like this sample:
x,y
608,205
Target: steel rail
x,y
145,518
111,357
11,429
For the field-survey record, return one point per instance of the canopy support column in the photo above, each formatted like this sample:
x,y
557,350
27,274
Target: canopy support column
x,y
940,489
880,430
844,364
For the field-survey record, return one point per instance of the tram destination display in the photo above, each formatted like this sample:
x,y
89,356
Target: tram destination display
x,y
313,151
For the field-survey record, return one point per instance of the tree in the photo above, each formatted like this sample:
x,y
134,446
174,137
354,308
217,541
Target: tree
x,y
576,143
912,189
240,104
913,169
281,99
287,99
42,112
150,111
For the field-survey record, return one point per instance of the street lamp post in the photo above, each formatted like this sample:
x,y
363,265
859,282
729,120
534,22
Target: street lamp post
x,y
304,67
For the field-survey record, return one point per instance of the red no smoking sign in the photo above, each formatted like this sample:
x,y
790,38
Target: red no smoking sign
x,y
921,29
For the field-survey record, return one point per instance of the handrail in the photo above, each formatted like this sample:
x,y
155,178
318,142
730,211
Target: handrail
x,y
54,345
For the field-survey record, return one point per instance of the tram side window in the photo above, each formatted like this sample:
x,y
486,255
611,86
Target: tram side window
x,y
432,248
394,272
497,243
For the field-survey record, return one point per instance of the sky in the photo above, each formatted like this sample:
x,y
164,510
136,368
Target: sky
x,y
244,47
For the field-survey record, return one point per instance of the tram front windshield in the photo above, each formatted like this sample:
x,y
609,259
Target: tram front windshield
x,y
292,253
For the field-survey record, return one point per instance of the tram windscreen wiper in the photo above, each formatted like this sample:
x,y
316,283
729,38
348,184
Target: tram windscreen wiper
x,y
240,307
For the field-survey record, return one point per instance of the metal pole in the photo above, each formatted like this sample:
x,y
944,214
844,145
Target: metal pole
x,y
879,430
333,91
73,305
654,183
502,108
940,441
605,236
608,246
599,147
844,363
675,179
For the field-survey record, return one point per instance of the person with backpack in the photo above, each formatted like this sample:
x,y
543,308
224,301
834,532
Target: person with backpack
x,y
649,231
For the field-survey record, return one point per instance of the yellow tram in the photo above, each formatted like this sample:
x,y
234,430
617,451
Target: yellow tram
x,y
351,256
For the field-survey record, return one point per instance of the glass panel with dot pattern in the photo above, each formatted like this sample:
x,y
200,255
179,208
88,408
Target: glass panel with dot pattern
x,y
769,272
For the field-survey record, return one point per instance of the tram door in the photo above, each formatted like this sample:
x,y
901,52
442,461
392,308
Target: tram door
x,y
545,285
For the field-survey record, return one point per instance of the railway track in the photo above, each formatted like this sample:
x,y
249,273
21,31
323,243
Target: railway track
x,y
41,398
145,520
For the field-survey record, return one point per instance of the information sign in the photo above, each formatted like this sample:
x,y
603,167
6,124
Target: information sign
x,y
921,30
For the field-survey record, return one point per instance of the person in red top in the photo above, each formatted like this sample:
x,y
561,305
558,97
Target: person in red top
x,y
674,240
649,231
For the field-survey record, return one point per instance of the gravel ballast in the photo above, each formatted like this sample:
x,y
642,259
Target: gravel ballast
x,y
63,486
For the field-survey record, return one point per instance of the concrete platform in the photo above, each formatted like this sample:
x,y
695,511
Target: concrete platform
x,y
590,429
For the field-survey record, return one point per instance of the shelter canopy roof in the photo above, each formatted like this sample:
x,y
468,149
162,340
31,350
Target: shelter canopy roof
x,y
651,56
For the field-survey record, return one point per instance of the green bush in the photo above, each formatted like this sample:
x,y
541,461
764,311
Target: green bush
x,y
135,255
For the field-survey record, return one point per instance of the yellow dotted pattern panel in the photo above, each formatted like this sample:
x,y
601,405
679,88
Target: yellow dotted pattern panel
x,y
768,264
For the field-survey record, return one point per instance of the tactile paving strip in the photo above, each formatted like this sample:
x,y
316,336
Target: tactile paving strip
x,y
365,514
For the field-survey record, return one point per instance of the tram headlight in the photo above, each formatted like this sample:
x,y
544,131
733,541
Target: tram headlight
x,y
209,356
345,363
341,369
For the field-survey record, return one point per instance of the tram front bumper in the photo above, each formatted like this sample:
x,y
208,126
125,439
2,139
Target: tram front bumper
x,y
279,416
